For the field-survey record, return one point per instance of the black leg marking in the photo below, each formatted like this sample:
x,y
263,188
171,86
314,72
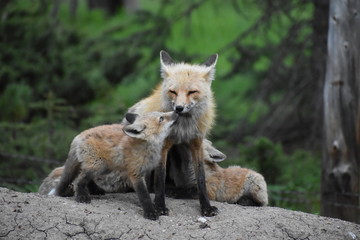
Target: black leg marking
x,y
71,171
198,159
145,200
160,178
160,175
95,189
81,190
206,209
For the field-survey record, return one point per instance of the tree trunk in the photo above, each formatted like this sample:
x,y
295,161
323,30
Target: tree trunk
x,y
320,26
341,155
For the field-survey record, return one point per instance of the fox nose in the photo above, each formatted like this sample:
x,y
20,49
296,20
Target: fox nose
x,y
179,109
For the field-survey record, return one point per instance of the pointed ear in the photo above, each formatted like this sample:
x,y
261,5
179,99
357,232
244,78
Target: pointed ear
x,y
216,156
210,64
130,117
211,61
165,61
165,58
211,154
134,130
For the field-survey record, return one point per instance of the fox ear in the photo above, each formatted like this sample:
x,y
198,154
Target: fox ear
x,y
165,58
210,64
134,130
216,156
211,61
165,61
130,117
211,154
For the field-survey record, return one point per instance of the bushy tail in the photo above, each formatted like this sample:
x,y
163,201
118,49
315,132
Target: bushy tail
x,y
258,189
71,171
254,191
49,184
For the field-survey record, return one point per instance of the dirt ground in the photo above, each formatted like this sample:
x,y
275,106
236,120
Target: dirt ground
x,y
119,216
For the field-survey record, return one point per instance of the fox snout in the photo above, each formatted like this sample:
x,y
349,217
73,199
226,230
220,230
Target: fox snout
x,y
179,108
183,108
172,117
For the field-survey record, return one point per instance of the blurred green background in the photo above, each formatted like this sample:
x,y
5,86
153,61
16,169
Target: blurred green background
x,y
69,65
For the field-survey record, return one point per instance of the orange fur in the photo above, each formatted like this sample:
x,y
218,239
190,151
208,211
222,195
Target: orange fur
x,y
153,103
230,184
50,182
127,152
186,89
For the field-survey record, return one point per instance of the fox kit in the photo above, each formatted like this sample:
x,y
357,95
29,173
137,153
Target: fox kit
x,y
186,89
129,151
233,184
236,185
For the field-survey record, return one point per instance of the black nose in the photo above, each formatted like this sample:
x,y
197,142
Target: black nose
x,y
179,109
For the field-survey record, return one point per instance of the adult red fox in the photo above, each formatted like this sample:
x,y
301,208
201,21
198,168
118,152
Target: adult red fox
x,y
129,151
186,89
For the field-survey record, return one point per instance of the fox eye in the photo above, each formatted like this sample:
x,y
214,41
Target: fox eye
x,y
192,92
161,119
173,92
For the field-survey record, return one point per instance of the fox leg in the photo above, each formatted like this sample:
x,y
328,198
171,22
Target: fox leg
x,y
95,189
70,172
144,198
82,193
160,177
198,161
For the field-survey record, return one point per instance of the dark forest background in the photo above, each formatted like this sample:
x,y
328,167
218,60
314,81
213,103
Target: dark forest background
x,y
66,66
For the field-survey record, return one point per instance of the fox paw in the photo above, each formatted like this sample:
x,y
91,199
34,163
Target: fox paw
x,y
209,211
83,199
151,215
162,210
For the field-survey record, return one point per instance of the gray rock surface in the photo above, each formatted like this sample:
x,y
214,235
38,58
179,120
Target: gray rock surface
x,y
119,216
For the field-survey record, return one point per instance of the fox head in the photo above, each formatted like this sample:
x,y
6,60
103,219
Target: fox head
x,y
186,86
153,126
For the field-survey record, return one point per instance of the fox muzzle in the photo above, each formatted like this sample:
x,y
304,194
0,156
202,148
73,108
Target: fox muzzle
x,y
179,108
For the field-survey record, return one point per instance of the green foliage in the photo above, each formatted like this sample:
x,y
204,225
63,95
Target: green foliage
x,y
62,74
267,157
19,96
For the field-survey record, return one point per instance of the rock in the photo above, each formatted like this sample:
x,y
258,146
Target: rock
x,y
202,220
119,216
